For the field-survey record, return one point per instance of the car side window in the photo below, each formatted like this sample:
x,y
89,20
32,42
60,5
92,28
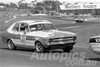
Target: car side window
x,y
33,27
37,27
16,27
23,27
40,27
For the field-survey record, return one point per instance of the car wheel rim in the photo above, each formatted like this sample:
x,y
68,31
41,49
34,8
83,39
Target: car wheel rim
x,y
10,45
39,48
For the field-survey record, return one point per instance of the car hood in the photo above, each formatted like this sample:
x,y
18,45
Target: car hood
x,y
96,36
52,33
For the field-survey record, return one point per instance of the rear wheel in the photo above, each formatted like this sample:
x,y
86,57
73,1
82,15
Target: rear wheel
x,y
39,47
11,45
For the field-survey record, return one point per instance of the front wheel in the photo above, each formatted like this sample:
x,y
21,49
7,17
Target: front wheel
x,y
39,47
68,49
11,45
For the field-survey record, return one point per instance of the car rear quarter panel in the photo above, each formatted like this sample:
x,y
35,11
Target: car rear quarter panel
x,y
5,36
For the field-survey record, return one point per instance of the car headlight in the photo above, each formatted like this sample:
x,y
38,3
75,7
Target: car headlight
x,y
50,40
97,40
74,38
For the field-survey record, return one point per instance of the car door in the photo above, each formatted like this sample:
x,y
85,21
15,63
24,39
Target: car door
x,y
26,40
29,35
16,34
29,40
22,33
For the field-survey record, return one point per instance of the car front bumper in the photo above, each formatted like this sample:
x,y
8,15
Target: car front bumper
x,y
59,46
95,47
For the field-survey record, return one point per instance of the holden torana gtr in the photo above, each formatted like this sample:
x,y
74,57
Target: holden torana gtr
x,y
95,44
37,34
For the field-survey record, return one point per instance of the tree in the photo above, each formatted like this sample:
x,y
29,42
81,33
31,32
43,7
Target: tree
x,y
41,6
12,5
49,5
23,6
55,6
2,4
20,3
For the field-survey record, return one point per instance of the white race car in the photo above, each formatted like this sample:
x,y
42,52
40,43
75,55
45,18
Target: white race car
x,y
95,44
79,20
38,34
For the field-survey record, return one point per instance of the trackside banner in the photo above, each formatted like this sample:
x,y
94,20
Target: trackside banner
x,y
73,6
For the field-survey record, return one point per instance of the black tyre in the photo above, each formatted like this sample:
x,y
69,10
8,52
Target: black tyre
x,y
68,49
11,45
71,47
39,47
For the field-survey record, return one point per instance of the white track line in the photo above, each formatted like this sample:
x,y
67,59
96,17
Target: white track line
x,y
14,17
71,27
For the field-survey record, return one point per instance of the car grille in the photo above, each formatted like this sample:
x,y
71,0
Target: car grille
x,y
64,39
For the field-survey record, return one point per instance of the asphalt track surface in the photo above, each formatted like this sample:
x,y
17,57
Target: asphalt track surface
x,y
22,57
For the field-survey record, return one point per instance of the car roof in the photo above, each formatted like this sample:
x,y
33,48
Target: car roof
x,y
31,22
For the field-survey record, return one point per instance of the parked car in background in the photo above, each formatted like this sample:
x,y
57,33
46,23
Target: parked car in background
x,y
38,34
79,20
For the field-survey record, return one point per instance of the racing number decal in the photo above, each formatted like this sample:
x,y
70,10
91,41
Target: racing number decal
x,y
23,38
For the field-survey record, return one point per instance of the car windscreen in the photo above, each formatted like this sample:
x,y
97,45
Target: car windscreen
x,y
49,27
42,27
